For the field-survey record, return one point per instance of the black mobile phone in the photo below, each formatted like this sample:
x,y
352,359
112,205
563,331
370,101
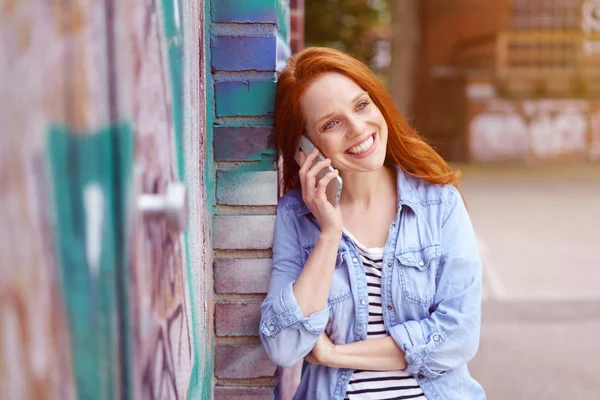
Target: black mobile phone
x,y
334,188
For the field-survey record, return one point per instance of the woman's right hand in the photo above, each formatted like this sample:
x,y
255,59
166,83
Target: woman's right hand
x,y
314,195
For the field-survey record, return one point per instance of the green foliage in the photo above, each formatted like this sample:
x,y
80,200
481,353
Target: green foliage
x,y
349,25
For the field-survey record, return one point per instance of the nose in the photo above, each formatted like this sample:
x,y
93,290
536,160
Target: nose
x,y
357,127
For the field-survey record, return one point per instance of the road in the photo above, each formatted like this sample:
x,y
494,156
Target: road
x,y
539,235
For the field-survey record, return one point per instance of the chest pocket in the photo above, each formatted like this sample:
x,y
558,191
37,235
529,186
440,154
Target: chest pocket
x,y
417,274
340,284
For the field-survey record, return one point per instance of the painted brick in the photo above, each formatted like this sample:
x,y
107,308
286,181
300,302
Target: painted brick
x,y
239,319
244,53
244,144
245,99
247,188
283,16
244,11
243,393
242,361
234,275
243,232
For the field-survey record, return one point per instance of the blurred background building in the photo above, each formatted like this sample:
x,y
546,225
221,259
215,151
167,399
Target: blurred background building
x,y
485,81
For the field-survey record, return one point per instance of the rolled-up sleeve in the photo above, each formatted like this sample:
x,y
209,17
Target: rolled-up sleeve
x,y
449,337
286,334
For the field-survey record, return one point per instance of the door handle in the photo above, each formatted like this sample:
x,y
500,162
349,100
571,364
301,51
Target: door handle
x,y
172,205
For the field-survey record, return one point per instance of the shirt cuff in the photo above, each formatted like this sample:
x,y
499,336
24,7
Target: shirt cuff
x,y
409,336
288,312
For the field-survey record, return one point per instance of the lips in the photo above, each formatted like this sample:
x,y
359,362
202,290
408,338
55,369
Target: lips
x,y
357,146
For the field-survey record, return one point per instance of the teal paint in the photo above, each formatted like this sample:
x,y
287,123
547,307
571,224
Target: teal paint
x,y
250,98
172,14
77,161
210,177
210,180
244,122
283,17
244,11
123,142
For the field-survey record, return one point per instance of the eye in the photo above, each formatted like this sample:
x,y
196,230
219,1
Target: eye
x,y
329,125
363,105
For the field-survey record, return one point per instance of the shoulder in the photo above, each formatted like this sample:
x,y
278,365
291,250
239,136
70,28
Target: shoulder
x,y
291,201
428,194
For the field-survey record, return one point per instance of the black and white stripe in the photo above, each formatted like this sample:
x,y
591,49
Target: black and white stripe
x,y
378,385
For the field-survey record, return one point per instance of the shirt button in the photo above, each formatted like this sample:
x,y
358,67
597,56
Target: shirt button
x,y
363,302
420,376
271,328
421,263
390,307
355,260
436,338
390,265
343,377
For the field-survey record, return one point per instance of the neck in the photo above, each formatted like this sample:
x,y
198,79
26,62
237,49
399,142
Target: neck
x,y
364,189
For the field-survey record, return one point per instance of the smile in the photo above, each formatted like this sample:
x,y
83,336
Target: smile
x,y
363,148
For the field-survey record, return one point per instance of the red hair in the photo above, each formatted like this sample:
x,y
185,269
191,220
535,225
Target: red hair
x,y
404,145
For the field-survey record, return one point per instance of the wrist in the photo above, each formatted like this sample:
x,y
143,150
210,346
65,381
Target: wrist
x,y
331,357
333,235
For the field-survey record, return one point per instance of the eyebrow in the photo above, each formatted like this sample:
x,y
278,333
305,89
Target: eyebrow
x,y
358,96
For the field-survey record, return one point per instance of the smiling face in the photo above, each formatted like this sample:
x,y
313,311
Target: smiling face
x,y
345,124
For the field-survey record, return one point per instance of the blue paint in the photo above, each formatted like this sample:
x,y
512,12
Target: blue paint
x,y
244,11
244,53
245,144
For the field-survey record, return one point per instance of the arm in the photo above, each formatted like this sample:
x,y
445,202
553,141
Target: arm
x,y
381,354
295,311
449,337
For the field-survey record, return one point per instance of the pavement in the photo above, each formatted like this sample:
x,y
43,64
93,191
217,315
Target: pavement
x,y
539,234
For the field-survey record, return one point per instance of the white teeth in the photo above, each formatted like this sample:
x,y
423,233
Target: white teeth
x,y
361,148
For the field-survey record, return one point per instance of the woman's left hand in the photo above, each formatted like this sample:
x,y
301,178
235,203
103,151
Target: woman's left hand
x,y
323,351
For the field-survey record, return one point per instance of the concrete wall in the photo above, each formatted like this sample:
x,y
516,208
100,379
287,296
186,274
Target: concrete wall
x,y
249,42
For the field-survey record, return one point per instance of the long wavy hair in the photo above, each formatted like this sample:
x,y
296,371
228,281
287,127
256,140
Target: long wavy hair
x,y
404,145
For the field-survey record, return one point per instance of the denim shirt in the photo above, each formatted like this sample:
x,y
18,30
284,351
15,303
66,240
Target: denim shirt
x,y
430,293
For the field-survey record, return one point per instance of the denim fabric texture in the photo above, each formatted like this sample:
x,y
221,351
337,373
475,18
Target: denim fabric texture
x,y
430,293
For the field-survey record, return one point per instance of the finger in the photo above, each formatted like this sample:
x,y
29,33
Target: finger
x,y
322,189
302,157
314,171
308,161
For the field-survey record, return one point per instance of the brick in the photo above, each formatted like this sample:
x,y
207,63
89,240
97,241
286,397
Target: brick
x,y
242,361
283,53
245,99
243,53
243,232
244,393
234,275
238,319
244,11
252,188
283,16
244,144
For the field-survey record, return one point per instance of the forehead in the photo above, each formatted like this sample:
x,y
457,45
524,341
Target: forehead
x,y
327,94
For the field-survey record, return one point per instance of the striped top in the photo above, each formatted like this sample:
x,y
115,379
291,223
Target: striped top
x,y
378,385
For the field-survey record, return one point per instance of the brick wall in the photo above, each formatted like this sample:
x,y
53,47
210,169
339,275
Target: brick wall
x,y
249,42
297,25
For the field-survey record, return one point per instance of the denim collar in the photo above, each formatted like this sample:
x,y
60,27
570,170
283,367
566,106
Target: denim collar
x,y
407,194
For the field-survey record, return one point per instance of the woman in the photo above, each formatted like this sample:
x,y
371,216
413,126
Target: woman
x,y
381,295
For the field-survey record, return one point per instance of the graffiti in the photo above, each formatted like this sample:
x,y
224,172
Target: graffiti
x,y
163,345
542,129
35,353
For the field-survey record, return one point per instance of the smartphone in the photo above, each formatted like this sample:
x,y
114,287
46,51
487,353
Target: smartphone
x,y
334,188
